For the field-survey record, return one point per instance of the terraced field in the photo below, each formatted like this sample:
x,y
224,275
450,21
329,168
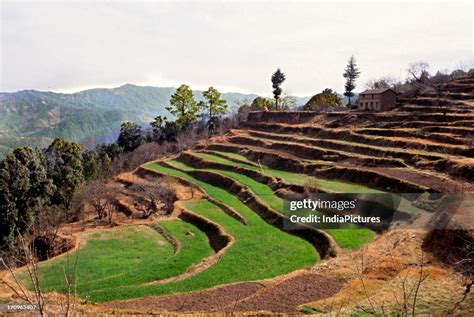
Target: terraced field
x,y
282,254
118,258
350,237
232,159
339,146
227,233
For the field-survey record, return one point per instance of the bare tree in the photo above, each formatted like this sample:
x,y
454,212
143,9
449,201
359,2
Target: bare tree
x,y
158,195
407,304
70,278
419,71
458,73
382,82
230,122
38,301
364,287
243,101
439,83
287,101
189,138
168,197
110,214
100,205
45,230
32,269
99,196
466,292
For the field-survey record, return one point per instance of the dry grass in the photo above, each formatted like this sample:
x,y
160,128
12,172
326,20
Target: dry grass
x,y
379,276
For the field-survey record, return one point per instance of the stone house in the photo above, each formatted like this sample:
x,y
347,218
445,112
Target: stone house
x,y
377,99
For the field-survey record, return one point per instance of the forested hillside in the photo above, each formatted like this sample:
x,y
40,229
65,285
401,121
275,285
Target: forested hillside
x,y
35,118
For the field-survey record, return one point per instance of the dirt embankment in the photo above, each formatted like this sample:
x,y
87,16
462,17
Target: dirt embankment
x,y
273,182
284,190
197,162
462,124
397,117
233,159
391,157
196,189
170,238
410,133
311,152
372,179
460,87
286,161
323,134
292,117
218,238
432,103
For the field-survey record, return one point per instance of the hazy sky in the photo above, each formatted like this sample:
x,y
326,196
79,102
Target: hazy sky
x,y
234,46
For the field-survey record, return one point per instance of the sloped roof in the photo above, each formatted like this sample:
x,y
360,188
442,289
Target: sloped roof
x,y
376,91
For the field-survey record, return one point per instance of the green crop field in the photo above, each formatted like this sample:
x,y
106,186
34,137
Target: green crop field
x,y
247,259
235,156
290,177
349,238
302,179
129,256
115,265
118,263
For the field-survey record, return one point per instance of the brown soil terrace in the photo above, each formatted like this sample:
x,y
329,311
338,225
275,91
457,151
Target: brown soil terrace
x,y
282,296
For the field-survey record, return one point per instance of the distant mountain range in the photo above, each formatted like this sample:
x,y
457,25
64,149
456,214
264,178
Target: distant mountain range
x,y
35,118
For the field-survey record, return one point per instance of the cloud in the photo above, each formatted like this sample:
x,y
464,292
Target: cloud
x,y
237,45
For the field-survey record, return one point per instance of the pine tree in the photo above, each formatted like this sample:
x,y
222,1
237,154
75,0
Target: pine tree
x,y
277,79
130,137
91,168
350,74
164,130
157,125
25,189
215,104
65,168
184,106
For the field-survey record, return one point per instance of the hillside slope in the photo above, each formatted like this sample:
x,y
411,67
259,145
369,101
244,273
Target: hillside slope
x,y
34,118
231,190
